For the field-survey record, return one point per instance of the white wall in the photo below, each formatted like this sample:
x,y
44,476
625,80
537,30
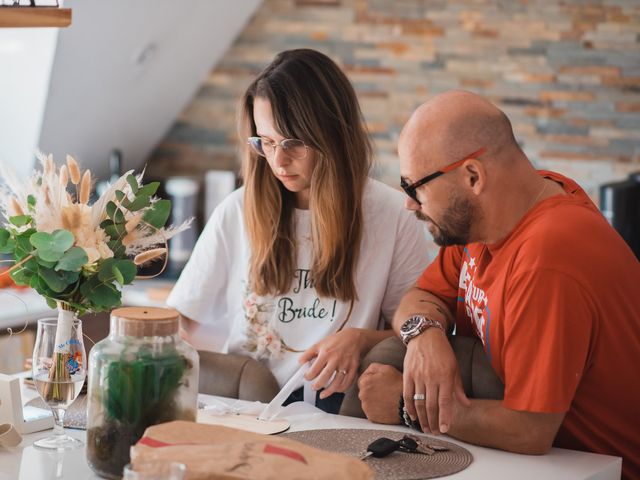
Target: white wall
x,y
26,58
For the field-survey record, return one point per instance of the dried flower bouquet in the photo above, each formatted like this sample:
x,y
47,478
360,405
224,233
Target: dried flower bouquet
x,y
78,256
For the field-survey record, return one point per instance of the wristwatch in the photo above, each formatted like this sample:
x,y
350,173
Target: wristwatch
x,y
415,325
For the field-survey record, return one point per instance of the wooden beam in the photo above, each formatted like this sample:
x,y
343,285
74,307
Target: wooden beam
x,y
19,17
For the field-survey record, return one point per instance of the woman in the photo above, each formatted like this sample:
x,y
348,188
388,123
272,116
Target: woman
x,y
311,256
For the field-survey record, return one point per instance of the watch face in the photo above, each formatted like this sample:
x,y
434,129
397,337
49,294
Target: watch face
x,y
412,324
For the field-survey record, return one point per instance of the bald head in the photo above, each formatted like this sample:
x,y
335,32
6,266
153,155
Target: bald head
x,y
454,124
483,197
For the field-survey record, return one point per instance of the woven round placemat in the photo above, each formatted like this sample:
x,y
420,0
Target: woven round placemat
x,y
398,465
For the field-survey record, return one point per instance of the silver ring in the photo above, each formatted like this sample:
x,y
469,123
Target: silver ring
x,y
419,396
343,372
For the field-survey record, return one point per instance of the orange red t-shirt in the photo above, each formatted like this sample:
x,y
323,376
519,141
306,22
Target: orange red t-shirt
x,y
557,307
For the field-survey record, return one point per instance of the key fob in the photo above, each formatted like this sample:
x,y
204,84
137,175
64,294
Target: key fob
x,y
382,447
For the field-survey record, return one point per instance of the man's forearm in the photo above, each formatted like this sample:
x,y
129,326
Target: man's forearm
x,y
417,301
489,424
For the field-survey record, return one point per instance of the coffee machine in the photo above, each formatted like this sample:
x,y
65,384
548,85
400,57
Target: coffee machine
x,y
620,204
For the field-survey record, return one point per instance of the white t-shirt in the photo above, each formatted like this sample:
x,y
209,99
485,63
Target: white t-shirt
x,y
212,289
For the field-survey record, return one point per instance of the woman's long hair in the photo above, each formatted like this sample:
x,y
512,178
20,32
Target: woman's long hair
x,y
312,100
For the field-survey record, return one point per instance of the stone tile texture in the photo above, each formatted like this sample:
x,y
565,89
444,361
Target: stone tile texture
x,y
567,74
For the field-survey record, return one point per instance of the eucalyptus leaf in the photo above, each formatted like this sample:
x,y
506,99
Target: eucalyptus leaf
x,y
111,209
20,220
116,230
118,216
119,195
133,183
106,223
73,260
149,189
70,277
158,214
23,245
21,277
42,287
105,272
54,280
7,244
31,200
141,201
128,270
117,248
105,295
51,246
44,263
118,276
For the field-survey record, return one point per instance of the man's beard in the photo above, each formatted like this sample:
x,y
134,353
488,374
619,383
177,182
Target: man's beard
x,y
455,227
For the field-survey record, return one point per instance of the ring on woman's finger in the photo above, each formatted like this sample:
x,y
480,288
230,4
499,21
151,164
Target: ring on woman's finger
x,y
419,397
343,372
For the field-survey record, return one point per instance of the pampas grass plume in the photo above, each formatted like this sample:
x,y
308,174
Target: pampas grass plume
x,y
149,255
74,170
48,164
15,206
133,222
64,176
85,187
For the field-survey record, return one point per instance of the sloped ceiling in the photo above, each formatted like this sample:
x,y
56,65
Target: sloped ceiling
x,y
124,70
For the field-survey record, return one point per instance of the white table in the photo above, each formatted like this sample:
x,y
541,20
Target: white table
x,y
26,462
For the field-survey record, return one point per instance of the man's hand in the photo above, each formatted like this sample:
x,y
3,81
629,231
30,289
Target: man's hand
x,y
380,389
431,369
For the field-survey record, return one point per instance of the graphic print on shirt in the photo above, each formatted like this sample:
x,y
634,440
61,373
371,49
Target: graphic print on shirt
x,y
264,314
288,310
263,339
476,301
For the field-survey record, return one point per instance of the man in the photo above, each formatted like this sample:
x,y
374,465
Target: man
x,y
530,267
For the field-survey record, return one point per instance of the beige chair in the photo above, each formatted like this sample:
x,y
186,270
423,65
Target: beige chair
x,y
236,376
478,378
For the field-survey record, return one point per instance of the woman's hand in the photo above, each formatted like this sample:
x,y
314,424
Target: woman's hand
x,y
339,353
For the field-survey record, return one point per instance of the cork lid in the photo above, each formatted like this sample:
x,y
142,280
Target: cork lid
x,y
145,321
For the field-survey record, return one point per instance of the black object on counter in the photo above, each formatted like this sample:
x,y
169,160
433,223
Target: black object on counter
x,y
620,204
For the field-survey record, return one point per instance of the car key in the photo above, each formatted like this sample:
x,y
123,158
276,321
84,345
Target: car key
x,y
408,444
380,448
408,441
411,445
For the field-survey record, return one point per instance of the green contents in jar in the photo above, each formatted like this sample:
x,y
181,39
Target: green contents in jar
x,y
141,392
135,394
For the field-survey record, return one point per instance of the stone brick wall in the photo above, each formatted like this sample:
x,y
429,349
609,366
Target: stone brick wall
x,y
566,73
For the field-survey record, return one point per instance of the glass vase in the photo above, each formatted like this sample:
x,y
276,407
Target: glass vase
x,y
142,374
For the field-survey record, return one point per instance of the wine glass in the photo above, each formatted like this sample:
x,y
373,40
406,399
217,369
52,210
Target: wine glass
x,y
59,370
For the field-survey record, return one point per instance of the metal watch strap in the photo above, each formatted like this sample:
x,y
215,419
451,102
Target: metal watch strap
x,y
425,324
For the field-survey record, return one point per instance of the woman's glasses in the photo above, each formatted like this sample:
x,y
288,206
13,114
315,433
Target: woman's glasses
x,y
292,147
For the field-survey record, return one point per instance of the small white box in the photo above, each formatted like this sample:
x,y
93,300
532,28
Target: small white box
x,y
25,419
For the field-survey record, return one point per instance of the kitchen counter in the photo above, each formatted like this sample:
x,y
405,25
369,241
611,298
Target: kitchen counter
x,y
18,306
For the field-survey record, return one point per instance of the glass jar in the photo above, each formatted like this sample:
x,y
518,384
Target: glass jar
x,y
142,374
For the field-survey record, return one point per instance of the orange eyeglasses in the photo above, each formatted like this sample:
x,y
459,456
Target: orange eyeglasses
x,y
411,189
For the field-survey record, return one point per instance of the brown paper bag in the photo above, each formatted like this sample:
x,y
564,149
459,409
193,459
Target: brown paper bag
x,y
216,452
